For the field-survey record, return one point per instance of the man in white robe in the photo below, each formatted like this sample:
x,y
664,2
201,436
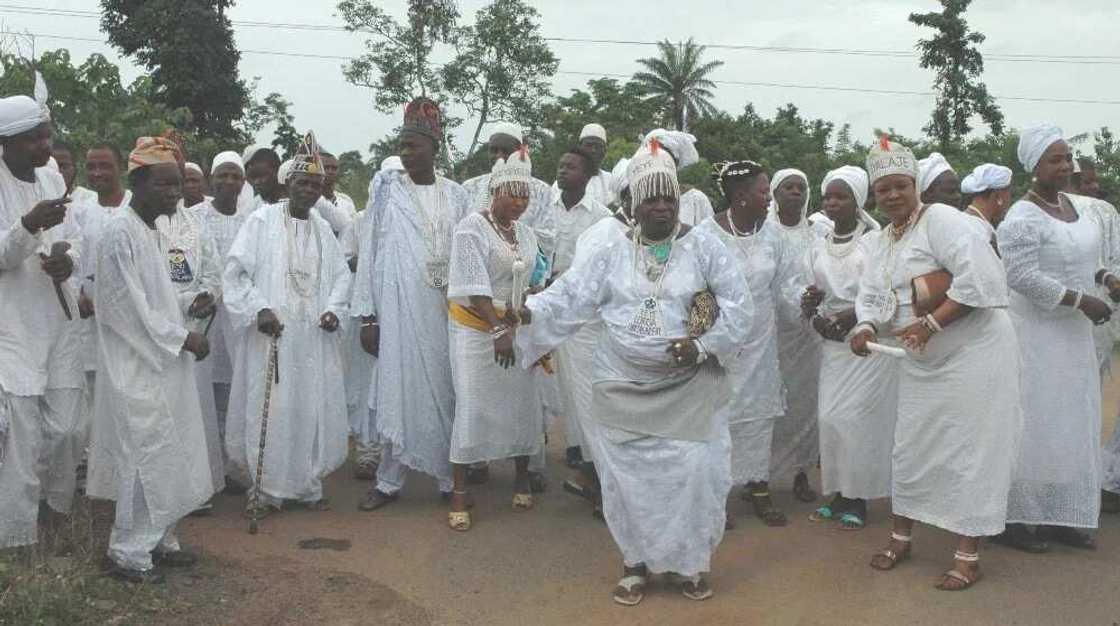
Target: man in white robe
x,y
148,444
286,283
40,368
593,139
193,263
402,301
573,210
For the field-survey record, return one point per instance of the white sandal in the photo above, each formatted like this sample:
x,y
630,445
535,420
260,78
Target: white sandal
x,y
630,590
696,588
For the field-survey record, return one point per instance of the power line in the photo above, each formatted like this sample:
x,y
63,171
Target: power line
x,y
737,83
1113,60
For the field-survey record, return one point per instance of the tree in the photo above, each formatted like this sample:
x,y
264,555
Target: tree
x,y
287,138
957,64
187,46
354,176
620,108
88,102
502,67
397,63
678,81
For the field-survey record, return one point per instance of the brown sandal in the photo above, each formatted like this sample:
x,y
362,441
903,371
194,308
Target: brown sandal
x,y
888,559
956,580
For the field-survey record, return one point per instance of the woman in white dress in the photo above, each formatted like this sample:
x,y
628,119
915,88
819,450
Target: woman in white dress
x,y
770,270
663,458
958,420
796,440
497,415
1051,248
857,398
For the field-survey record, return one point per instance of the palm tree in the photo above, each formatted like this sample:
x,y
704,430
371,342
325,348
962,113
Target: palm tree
x,y
678,81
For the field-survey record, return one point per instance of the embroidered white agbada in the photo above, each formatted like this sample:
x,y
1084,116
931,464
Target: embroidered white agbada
x,y
536,216
41,427
148,447
413,392
858,396
1057,477
497,411
958,421
757,394
195,269
663,498
796,437
295,268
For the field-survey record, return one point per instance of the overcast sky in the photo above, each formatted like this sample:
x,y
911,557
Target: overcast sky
x,y
343,118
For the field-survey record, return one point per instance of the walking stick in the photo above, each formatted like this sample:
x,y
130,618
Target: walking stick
x,y
272,375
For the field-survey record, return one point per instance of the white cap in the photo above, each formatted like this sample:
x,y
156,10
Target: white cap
x,y
229,156
193,166
930,168
508,129
392,163
593,130
516,171
986,177
680,144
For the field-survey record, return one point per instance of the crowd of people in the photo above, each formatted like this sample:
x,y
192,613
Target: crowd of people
x,y
239,331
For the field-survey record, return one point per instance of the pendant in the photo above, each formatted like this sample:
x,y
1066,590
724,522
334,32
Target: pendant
x,y
437,274
647,320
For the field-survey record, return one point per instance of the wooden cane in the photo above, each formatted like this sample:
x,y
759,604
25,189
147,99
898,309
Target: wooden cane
x,y
271,374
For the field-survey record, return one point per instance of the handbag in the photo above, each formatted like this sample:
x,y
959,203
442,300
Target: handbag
x,y
928,291
702,314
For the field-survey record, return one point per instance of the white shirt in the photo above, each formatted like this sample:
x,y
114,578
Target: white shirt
x,y
570,224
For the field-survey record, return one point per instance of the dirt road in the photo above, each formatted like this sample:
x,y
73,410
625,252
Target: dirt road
x,y
556,565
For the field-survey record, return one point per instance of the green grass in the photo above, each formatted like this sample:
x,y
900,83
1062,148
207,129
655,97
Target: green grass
x,y
60,580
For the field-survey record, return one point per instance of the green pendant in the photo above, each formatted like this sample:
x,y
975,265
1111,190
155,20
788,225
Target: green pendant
x,y
661,251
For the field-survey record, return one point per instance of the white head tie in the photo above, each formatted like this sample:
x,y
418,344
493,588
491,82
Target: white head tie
x,y
985,178
1033,144
682,146
930,168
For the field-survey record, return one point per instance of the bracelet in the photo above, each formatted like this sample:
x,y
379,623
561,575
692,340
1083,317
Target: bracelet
x,y
930,323
1077,299
701,351
499,331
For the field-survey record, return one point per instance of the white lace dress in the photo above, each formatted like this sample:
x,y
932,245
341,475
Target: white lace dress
x,y
497,414
758,397
695,207
858,396
1057,479
958,421
663,498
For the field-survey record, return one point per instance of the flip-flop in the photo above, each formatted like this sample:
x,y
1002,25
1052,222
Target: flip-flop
x,y
822,514
851,521
578,490
630,590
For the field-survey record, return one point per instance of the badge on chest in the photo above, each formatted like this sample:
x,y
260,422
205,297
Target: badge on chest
x,y
180,267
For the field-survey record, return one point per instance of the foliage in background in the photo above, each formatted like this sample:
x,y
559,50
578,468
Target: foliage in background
x,y
502,67
958,65
678,82
188,48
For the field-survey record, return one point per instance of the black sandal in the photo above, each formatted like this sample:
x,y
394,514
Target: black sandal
x,y
377,499
763,506
801,489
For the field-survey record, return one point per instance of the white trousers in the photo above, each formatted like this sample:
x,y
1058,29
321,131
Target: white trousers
x,y
131,548
391,473
41,452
